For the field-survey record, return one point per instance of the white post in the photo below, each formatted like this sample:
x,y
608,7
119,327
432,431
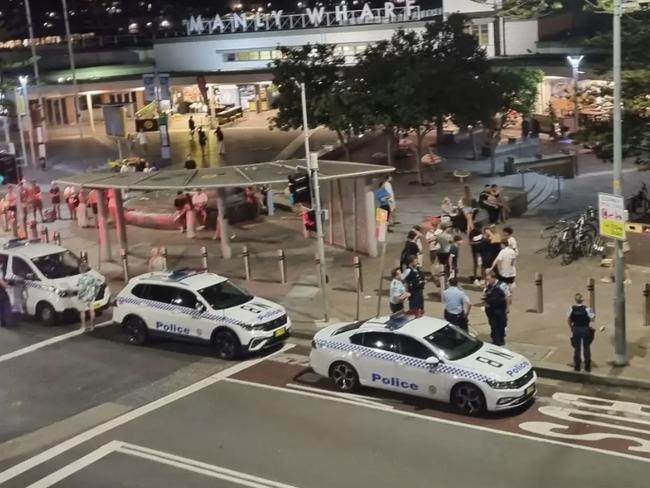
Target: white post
x,y
620,346
28,116
91,115
41,102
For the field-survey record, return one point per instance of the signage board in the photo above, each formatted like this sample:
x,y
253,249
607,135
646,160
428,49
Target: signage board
x,y
149,83
611,214
381,218
164,82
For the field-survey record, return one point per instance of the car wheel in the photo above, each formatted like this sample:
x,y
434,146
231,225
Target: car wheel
x,y
226,345
46,314
344,377
468,399
136,331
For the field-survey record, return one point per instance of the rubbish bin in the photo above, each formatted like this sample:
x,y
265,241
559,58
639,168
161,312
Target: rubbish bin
x,y
509,166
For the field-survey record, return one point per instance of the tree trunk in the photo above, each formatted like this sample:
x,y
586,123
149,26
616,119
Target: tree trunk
x,y
494,141
418,154
345,143
472,138
440,129
390,144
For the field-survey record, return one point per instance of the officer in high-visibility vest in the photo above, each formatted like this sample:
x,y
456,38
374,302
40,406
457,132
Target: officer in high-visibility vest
x,y
582,334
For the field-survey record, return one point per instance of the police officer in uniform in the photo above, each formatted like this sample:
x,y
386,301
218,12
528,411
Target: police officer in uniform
x,y
496,308
413,276
582,334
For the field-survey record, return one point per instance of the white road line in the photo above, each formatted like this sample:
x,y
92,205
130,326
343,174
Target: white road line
x,y
441,421
349,396
47,342
58,449
77,465
200,467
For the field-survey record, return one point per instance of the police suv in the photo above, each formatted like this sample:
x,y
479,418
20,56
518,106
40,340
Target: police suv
x,y
426,357
199,306
42,280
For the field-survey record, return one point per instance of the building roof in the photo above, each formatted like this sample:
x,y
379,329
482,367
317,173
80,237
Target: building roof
x,y
275,172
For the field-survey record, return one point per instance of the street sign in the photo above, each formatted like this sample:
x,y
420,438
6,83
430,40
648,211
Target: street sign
x,y
611,213
381,217
149,83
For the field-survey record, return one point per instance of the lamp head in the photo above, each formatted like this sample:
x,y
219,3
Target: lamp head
x,y
574,61
23,80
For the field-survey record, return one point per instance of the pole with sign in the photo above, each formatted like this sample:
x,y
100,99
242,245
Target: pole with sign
x,y
381,218
611,212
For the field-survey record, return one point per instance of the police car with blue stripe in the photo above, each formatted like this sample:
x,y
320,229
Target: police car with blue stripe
x,y
426,357
199,306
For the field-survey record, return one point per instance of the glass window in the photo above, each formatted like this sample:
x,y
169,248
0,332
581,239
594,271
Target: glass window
x,y
184,298
58,265
265,55
276,54
348,49
413,348
253,55
484,35
452,343
243,56
349,59
225,295
230,57
360,48
20,268
4,259
160,293
140,291
381,340
357,339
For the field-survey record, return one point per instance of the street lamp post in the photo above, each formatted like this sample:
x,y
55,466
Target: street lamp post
x,y
313,176
23,84
620,354
66,21
40,125
574,61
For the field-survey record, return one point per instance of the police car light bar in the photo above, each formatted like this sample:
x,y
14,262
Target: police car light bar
x,y
11,243
399,320
181,274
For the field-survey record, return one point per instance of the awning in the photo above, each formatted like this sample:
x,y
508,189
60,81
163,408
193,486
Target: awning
x,y
275,172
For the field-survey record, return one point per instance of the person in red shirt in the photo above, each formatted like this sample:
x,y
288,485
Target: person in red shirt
x,y
55,195
92,201
36,199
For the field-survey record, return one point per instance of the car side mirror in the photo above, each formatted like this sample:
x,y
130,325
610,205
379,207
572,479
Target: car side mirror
x,y
30,276
199,307
432,361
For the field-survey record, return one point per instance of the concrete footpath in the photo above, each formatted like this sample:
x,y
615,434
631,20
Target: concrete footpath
x,y
544,338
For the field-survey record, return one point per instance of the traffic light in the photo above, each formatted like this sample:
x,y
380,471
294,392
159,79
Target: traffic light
x,y
300,188
309,220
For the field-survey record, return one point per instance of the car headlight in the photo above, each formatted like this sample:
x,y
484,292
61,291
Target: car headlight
x,y
502,385
66,293
247,326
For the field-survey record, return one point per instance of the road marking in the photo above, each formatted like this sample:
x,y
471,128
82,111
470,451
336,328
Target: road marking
x,y
349,396
454,423
64,446
199,467
47,342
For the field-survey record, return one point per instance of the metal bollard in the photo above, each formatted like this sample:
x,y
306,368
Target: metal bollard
x,y
56,237
282,265
591,294
317,262
356,264
646,295
83,257
125,265
539,284
204,257
32,234
247,264
45,235
163,253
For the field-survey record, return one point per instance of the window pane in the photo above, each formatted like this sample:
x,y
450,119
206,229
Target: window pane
x,y
225,295
21,269
265,55
230,57
277,54
348,49
254,55
243,56
381,340
4,259
184,298
357,339
452,343
411,347
162,294
140,291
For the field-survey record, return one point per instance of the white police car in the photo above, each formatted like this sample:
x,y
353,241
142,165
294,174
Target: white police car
x,y
42,279
199,306
425,357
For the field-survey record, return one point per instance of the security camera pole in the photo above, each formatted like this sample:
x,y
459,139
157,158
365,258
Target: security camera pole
x,y
312,167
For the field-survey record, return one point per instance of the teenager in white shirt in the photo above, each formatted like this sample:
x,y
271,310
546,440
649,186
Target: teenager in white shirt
x,y
512,242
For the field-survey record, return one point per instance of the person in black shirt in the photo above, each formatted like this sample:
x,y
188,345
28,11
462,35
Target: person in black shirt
x,y
582,334
454,250
203,140
180,204
476,242
410,249
415,279
192,126
496,308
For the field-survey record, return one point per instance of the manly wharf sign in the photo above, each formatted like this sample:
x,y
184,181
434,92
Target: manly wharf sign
x,y
311,17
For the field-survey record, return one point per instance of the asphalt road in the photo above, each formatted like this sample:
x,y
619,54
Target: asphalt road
x,y
270,422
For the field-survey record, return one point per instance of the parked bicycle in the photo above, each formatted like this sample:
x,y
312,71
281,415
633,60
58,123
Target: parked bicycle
x,y
574,237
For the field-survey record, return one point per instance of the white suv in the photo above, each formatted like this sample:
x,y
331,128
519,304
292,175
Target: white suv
x,y
199,306
42,280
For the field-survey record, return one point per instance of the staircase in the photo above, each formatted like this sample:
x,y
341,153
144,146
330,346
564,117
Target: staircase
x,y
540,188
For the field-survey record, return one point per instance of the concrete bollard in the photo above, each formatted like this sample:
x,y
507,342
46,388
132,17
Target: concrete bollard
x,y
358,273
539,284
204,257
317,262
56,237
282,264
32,233
591,294
125,265
163,253
5,221
45,235
646,295
83,257
247,264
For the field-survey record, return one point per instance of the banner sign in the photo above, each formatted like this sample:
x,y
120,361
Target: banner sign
x,y
149,82
611,213
164,82
381,217
311,17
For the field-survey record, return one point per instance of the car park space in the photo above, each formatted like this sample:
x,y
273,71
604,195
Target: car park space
x,y
24,332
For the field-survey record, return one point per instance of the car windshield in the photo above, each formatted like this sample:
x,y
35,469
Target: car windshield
x,y
225,295
452,343
58,265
